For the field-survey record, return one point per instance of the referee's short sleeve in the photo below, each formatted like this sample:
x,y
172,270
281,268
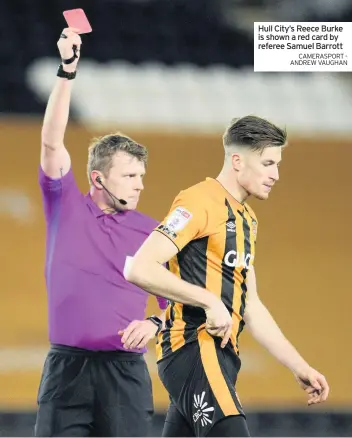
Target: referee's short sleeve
x,y
58,193
52,185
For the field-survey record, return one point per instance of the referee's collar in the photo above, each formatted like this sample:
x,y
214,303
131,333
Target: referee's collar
x,y
118,216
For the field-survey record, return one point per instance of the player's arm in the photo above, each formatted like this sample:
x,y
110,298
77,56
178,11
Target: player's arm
x,y
55,159
264,329
146,270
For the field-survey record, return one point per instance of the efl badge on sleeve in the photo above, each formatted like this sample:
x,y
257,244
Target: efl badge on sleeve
x,y
178,219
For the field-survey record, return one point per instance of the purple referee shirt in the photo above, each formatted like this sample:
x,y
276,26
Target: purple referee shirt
x,y
89,300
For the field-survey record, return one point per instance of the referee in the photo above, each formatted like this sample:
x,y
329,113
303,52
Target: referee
x,y
95,381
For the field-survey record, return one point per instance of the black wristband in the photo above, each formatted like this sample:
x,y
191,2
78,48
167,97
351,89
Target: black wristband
x,y
157,321
74,57
61,73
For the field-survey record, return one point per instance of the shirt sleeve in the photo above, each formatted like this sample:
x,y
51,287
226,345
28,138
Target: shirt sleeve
x,y
186,220
57,192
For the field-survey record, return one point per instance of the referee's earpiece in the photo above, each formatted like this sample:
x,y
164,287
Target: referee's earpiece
x,y
113,197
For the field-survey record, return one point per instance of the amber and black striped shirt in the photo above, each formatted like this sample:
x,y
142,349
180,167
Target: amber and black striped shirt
x,y
216,237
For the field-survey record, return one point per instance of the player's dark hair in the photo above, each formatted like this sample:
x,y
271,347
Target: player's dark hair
x,y
253,133
102,150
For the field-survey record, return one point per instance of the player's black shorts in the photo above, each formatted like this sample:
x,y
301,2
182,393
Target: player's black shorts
x,y
200,378
84,393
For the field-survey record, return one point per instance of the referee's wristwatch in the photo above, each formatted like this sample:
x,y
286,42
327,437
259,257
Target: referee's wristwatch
x,y
157,321
61,73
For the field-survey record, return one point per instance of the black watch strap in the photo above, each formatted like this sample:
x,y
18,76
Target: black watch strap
x,y
157,321
61,73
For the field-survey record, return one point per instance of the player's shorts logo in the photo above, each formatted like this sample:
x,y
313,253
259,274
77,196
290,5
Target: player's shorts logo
x,y
202,411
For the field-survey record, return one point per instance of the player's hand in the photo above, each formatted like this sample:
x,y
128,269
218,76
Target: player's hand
x,y
314,384
138,333
65,46
219,321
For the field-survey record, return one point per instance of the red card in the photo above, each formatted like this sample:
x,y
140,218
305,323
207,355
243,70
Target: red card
x,y
77,19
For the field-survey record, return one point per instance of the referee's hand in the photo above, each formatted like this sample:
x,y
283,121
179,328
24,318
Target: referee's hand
x,y
68,41
137,334
219,321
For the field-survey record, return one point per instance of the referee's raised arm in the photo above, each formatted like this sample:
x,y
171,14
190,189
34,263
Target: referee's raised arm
x,y
55,159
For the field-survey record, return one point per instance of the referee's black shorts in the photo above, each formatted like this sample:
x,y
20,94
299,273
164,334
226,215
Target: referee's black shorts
x,y
200,378
85,393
